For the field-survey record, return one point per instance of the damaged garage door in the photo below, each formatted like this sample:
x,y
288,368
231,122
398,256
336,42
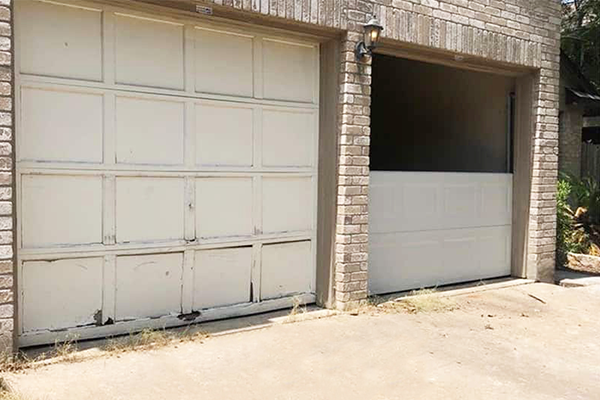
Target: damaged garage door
x,y
166,170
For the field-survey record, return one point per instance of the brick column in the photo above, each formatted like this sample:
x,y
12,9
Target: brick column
x,y
351,244
571,125
7,282
542,211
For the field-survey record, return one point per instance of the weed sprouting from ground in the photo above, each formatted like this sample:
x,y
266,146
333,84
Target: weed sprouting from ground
x,y
297,311
67,351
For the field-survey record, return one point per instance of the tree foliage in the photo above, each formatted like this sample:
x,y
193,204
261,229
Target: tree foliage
x,y
581,36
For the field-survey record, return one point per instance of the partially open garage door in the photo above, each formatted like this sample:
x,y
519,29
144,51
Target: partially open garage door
x,y
429,228
166,170
440,207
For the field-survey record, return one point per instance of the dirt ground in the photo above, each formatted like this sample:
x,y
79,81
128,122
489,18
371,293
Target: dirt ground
x,y
534,342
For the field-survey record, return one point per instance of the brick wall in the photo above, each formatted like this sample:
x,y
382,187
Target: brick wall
x,y
523,33
329,13
571,124
7,281
351,248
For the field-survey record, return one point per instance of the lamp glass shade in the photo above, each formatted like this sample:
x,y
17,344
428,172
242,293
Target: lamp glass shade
x,y
372,33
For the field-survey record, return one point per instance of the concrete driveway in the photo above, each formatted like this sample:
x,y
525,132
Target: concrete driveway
x,y
533,342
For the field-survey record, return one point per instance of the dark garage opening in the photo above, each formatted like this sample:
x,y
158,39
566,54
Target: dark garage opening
x,y
428,117
441,182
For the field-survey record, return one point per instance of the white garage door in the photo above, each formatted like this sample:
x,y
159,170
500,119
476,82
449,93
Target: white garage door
x,y
435,228
166,170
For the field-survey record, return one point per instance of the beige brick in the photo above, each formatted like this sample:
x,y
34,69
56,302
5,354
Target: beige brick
x,y
5,13
6,311
6,267
6,296
6,281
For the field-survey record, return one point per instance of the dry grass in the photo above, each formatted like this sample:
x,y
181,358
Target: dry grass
x,y
17,362
151,339
68,350
427,301
297,312
7,394
61,352
11,396
418,301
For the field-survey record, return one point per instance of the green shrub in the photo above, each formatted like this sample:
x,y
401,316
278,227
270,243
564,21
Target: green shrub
x,y
578,217
564,221
585,194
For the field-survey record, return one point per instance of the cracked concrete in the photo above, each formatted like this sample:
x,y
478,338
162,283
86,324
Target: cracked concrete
x,y
534,342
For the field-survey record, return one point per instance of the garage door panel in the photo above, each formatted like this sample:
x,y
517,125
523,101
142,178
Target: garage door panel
x,y
479,252
61,210
171,157
398,205
460,201
224,207
148,286
222,277
429,229
388,202
495,249
60,126
224,135
413,260
224,63
64,41
397,262
416,201
287,204
288,138
282,60
421,205
460,252
62,293
148,52
496,202
149,209
149,131
461,206
286,269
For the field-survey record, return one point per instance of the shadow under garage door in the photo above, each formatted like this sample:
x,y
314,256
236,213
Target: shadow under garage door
x,y
440,209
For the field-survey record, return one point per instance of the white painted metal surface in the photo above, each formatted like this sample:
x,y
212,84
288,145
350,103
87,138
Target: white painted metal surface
x,y
148,52
58,303
224,207
66,112
283,268
155,279
221,277
60,210
154,180
149,131
221,55
434,228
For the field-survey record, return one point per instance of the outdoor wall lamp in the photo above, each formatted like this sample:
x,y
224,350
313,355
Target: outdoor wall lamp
x,y
372,33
